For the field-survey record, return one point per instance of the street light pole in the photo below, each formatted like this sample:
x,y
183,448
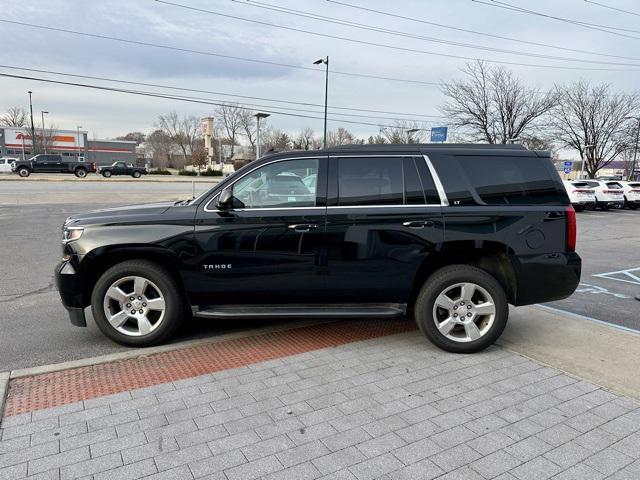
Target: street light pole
x,y
33,129
78,140
326,95
259,116
44,143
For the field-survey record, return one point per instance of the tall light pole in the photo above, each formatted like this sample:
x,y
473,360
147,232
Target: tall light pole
x,y
44,143
259,116
78,140
33,129
326,94
632,173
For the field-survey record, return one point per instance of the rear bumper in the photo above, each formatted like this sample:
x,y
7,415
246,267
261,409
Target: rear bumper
x,y
610,203
70,287
546,278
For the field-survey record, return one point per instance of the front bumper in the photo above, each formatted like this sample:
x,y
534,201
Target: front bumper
x,y
70,287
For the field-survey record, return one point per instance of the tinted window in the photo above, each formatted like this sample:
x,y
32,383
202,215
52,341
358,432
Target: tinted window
x,y
2,162
429,187
613,185
511,180
370,181
277,184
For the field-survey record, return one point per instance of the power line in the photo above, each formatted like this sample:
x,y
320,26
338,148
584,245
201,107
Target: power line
x,y
193,90
475,32
613,8
362,26
189,100
214,54
587,25
375,44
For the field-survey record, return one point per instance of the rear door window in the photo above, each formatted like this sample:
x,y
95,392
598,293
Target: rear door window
x,y
511,180
370,181
613,185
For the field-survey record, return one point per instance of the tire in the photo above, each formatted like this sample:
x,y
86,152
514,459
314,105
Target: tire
x,y
633,206
24,172
578,208
151,327
81,172
106,173
449,281
136,174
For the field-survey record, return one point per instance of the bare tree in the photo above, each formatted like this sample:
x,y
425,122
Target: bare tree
x,y
137,137
492,105
275,139
230,118
183,131
45,138
161,145
15,117
403,131
378,139
306,140
199,157
342,136
592,120
248,125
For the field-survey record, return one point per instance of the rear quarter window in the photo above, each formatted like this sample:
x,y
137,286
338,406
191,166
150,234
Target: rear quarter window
x,y
512,180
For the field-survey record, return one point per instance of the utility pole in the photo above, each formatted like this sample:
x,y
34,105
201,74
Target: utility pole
x,y
33,128
44,143
326,95
78,140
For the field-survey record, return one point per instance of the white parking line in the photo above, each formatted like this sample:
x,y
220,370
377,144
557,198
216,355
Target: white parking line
x,y
630,275
585,317
595,289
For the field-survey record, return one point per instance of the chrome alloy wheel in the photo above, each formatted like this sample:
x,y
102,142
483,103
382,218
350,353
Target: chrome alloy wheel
x,y
464,312
134,306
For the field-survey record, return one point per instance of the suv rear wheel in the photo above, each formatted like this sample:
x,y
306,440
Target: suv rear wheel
x,y
136,303
462,309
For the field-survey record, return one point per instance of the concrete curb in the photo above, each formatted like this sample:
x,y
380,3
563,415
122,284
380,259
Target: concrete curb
x,y
4,389
114,180
146,352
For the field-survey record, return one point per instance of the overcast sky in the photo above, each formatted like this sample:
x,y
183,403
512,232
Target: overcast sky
x,y
108,114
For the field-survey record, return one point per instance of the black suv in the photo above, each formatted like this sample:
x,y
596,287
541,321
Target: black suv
x,y
450,234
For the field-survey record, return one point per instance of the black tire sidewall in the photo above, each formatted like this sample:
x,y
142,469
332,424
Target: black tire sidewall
x,y
106,174
81,173
167,285
446,277
24,169
135,174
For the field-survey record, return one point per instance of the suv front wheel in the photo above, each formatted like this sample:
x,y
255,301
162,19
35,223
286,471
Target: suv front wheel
x,y
136,303
462,309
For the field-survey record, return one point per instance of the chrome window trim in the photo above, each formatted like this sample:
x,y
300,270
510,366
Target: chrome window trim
x,y
418,205
206,207
444,201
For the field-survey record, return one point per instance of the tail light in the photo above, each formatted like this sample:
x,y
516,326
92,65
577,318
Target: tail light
x,y
572,230
635,191
611,191
582,191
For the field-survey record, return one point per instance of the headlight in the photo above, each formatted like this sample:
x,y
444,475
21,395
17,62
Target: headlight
x,y
70,234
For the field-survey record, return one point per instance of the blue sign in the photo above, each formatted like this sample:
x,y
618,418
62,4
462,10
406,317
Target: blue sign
x,y
439,134
567,169
568,164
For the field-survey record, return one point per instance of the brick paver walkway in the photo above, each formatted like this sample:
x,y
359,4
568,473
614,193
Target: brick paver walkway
x,y
392,408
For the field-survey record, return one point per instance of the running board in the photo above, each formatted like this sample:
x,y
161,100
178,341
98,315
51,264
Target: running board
x,y
306,311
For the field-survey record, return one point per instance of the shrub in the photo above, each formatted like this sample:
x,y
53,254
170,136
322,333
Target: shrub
x,y
159,171
238,164
188,173
209,172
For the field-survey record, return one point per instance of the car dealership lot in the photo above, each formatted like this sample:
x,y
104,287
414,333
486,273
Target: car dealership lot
x,y
31,214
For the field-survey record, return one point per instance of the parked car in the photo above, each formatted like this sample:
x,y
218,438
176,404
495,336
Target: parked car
x,y
449,234
631,194
6,163
609,194
52,164
581,196
122,168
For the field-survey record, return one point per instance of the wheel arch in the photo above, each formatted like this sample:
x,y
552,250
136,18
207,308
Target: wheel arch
x,y
97,262
492,257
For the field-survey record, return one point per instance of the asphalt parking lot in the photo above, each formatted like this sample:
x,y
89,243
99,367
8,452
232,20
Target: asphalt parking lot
x,y
31,214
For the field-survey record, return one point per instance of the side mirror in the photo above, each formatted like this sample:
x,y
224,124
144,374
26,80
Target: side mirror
x,y
225,199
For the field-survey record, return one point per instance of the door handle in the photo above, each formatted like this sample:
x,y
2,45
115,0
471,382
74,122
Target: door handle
x,y
303,227
418,224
